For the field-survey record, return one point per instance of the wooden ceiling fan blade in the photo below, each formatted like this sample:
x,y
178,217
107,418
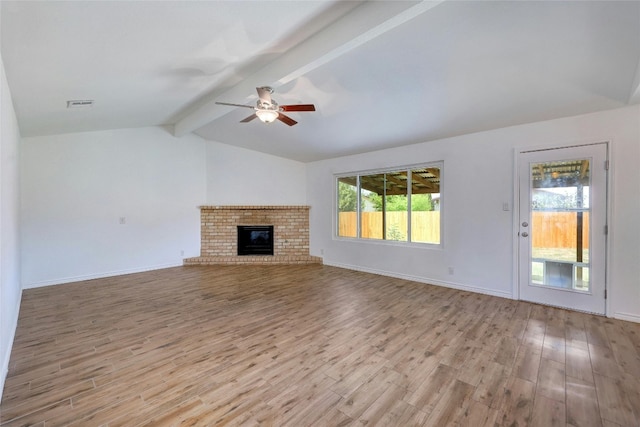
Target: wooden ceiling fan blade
x,y
248,119
298,107
286,119
236,105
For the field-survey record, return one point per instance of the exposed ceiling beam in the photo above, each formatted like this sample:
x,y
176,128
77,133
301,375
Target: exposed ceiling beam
x,y
362,24
584,167
428,184
397,180
434,171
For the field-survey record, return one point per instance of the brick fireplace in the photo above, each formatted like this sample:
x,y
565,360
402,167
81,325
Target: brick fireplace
x,y
219,235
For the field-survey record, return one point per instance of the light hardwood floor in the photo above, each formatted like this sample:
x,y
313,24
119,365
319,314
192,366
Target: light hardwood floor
x,y
310,345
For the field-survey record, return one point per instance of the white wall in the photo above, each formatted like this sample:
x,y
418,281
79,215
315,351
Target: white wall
x,y
237,176
10,288
76,187
478,234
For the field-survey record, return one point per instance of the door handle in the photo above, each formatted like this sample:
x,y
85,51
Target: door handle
x,y
524,234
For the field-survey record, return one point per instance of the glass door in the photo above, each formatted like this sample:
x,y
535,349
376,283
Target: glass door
x,y
562,234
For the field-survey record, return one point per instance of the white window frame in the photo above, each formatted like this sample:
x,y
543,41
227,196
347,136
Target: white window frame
x,y
407,168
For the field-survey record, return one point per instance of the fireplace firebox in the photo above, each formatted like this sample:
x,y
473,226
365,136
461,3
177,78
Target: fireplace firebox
x,y
255,239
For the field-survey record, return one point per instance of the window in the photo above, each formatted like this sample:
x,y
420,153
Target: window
x,y
400,205
347,206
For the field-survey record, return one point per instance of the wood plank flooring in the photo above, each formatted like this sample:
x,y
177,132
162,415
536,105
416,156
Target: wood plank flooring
x,y
310,346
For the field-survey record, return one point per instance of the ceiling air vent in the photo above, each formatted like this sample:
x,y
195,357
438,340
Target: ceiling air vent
x,y
80,103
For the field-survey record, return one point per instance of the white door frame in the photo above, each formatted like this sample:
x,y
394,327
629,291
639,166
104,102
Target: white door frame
x,y
515,222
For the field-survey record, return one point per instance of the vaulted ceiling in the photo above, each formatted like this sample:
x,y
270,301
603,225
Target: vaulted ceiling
x,y
380,73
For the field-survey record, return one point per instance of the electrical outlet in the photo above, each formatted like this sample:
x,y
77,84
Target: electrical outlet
x,y
122,220
451,270
181,252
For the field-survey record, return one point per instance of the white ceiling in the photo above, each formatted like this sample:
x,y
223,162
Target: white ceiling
x,y
381,73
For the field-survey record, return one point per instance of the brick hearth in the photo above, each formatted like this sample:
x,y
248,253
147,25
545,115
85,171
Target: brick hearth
x,y
218,235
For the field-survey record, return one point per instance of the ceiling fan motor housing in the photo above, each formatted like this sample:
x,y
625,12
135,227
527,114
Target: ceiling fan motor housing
x,y
264,105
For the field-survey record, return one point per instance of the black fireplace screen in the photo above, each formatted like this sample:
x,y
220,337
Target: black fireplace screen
x,y
255,240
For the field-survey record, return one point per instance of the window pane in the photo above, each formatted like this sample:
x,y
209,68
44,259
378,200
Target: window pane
x,y
560,222
425,205
537,272
371,196
395,206
347,207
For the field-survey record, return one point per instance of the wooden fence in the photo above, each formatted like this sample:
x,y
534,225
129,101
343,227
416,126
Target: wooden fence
x,y
558,229
549,229
425,226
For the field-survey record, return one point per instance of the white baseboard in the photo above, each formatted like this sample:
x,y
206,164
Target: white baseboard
x,y
102,275
4,368
425,280
627,316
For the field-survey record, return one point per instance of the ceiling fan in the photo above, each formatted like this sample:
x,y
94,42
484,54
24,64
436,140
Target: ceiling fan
x,y
268,110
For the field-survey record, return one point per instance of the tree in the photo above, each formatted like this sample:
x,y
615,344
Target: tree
x,y
419,202
347,197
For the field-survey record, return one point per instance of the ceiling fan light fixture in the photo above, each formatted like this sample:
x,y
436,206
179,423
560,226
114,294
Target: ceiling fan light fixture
x,y
268,110
267,116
